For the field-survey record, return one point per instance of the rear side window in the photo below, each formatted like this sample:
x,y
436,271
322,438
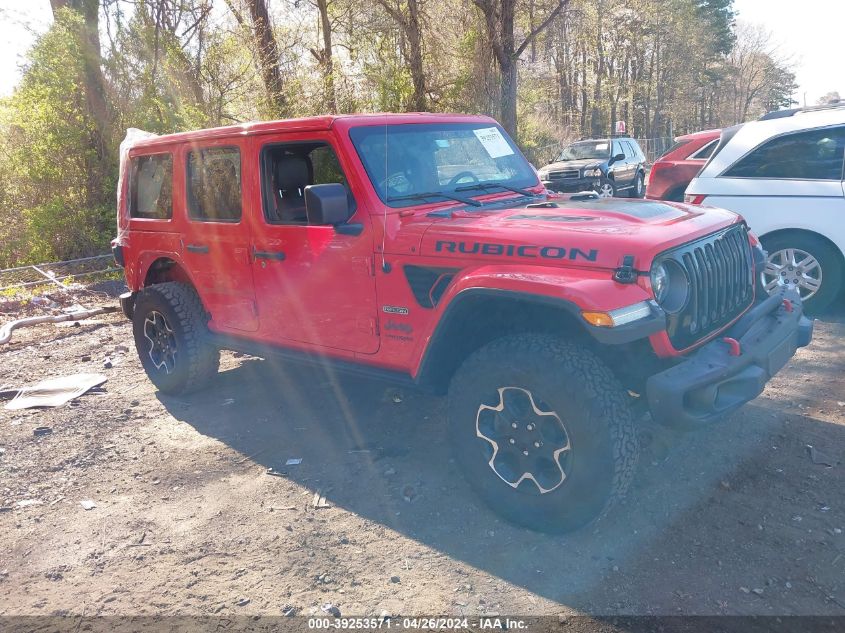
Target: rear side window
x,y
808,155
704,152
678,145
152,187
214,184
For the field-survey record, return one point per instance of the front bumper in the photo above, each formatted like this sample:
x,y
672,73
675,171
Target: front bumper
x,y
713,381
572,185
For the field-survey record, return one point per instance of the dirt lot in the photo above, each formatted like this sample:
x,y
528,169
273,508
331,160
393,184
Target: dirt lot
x,y
736,519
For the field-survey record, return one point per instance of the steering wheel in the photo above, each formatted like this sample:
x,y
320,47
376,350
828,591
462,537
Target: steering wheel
x,y
454,180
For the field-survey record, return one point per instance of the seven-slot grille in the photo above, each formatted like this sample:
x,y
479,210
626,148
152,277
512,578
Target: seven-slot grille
x,y
564,173
719,269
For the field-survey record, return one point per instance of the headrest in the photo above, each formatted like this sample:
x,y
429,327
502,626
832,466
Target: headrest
x,y
293,172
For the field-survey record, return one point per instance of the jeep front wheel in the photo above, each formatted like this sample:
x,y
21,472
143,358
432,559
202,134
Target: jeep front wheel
x,y
169,326
543,431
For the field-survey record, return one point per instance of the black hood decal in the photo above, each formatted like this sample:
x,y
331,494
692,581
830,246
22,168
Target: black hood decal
x,y
552,218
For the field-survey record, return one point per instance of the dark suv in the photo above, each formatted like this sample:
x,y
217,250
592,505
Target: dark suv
x,y
607,166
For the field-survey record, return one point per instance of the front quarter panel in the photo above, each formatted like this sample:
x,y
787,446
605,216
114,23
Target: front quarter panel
x,y
582,289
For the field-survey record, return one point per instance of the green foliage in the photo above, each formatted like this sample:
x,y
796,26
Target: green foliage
x,y
55,187
664,67
718,16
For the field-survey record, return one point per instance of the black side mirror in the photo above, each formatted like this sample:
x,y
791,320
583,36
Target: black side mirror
x,y
327,204
618,157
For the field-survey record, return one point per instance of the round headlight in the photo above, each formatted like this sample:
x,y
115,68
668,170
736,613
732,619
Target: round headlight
x,y
544,175
659,282
670,285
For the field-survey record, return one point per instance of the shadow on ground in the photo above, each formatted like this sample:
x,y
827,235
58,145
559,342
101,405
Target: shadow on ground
x,y
699,519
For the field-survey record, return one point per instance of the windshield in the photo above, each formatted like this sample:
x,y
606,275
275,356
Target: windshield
x,y
414,162
586,149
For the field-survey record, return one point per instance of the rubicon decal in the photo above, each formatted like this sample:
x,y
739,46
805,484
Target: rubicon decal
x,y
516,250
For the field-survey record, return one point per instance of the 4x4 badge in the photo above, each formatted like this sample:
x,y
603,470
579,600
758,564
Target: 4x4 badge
x,y
394,310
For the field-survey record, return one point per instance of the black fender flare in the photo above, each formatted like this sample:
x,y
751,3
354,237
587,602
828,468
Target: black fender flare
x,y
453,312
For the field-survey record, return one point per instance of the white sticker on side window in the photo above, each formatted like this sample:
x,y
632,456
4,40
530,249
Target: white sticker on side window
x,y
494,143
601,146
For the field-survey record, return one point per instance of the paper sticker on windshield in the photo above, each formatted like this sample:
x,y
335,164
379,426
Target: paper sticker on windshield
x,y
601,146
494,143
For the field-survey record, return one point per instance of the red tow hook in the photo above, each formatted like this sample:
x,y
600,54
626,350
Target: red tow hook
x,y
736,349
787,305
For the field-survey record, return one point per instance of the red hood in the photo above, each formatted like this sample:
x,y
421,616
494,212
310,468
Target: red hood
x,y
595,233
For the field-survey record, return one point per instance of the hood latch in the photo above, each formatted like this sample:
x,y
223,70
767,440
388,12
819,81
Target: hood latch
x,y
626,274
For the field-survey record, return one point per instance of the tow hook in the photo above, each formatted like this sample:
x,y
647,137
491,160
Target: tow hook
x,y
787,305
735,347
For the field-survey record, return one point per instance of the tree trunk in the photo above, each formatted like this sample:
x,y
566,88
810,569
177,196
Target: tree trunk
x,y
595,123
95,83
510,79
415,55
410,26
268,58
584,94
499,17
326,56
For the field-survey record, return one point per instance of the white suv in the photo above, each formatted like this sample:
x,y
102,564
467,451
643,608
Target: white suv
x,y
784,174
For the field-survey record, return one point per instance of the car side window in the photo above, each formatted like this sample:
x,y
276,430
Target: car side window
x,y
214,184
290,167
327,167
629,150
151,187
807,155
617,148
704,152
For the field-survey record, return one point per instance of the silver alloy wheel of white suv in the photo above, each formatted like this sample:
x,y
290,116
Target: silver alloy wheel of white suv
x,y
793,268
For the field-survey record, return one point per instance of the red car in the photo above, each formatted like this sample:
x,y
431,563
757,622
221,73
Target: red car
x,y
671,173
423,249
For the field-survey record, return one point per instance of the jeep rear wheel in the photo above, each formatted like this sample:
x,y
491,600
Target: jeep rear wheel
x,y
169,324
542,431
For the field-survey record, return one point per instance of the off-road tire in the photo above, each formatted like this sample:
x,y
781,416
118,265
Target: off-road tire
x,y
828,257
196,360
587,398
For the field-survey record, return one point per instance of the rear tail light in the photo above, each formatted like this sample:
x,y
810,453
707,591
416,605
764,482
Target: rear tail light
x,y
694,198
654,167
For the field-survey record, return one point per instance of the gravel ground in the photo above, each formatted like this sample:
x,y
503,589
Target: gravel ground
x,y
736,519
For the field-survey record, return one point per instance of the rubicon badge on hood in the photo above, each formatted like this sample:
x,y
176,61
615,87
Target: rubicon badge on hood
x,y
516,250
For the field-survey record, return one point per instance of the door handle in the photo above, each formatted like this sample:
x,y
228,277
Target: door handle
x,y
198,248
277,255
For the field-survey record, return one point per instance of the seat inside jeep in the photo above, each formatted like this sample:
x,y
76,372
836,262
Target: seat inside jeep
x,y
289,168
292,173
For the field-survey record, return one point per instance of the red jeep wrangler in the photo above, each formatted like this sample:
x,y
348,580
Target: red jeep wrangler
x,y
423,249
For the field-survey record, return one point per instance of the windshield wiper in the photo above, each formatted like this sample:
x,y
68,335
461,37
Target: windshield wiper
x,y
490,185
431,194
